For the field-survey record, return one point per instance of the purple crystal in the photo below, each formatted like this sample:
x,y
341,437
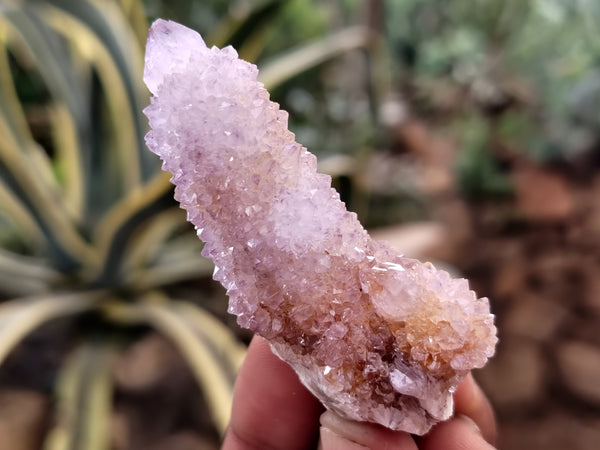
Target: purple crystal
x,y
375,336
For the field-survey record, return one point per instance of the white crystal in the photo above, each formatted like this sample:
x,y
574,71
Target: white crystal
x,y
375,336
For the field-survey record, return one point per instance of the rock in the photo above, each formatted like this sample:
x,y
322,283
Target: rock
x,y
514,379
534,317
184,440
23,415
542,195
119,430
416,240
509,278
553,431
579,363
145,363
591,295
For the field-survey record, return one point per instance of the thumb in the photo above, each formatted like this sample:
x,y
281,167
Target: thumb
x,y
341,434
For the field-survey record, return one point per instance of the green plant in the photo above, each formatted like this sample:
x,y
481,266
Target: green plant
x,y
88,226
480,176
529,69
88,221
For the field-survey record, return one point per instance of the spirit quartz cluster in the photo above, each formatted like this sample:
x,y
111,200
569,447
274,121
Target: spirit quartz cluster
x,y
375,336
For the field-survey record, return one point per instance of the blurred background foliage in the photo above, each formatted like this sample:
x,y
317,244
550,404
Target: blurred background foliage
x,y
421,110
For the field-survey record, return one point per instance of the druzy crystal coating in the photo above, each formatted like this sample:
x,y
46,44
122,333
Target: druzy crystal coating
x,y
375,336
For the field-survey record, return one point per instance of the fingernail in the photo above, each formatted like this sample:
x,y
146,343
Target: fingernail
x,y
470,421
362,435
343,427
330,440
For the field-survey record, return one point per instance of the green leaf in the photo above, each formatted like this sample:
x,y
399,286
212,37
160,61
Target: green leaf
x,y
24,276
68,159
27,172
84,394
203,353
136,16
163,274
296,61
67,247
214,377
164,251
43,50
224,344
64,124
100,32
179,260
11,107
114,232
20,317
247,32
23,223
151,237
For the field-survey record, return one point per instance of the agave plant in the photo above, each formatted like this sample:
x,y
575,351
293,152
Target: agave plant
x,y
88,224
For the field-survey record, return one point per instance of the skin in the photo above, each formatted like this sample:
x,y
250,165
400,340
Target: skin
x,y
273,411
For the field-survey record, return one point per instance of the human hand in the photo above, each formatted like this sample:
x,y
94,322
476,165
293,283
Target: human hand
x,y
273,411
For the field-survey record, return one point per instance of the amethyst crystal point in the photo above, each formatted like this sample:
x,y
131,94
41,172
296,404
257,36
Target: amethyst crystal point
x,y
375,336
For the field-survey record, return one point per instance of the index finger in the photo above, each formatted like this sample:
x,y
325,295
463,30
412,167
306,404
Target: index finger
x,y
271,409
472,402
